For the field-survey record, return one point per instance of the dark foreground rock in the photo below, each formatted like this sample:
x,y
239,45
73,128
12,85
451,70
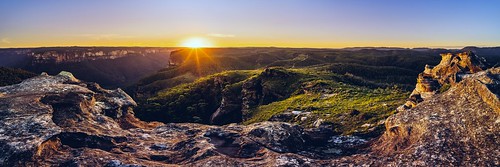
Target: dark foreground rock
x,y
61,121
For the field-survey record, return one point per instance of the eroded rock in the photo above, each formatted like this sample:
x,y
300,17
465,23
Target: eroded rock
x,y
450,71
60,121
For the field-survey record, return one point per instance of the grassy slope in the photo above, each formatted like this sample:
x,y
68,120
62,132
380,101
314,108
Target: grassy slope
x,y
329,96
346,88
373,106
326,94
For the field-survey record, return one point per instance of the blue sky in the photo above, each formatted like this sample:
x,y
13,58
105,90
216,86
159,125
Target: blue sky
x,y
292,23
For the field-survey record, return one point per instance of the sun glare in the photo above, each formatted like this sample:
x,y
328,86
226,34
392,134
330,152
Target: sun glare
x,y
196,43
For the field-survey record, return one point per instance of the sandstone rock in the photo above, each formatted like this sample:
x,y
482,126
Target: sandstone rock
x,y
59,121
457,128
62,121
447,73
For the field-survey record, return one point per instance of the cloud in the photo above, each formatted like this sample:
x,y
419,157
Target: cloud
x,y
221,35
5,40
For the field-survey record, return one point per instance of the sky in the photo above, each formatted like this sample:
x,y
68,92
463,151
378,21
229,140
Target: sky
x,y
241,23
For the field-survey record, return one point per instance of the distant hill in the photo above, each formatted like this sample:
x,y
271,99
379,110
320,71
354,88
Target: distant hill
x,y
491,54
9,76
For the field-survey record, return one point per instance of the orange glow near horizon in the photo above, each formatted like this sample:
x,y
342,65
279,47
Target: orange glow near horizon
x,y
196,42
204,42
229,23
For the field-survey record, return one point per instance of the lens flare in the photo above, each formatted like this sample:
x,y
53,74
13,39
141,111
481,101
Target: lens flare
x,y
197,43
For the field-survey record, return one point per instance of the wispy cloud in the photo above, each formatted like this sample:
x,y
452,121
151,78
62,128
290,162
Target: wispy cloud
x,y
103,36
5,40
221,35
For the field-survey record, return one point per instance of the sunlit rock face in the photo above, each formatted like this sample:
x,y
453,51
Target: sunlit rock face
x,y
460,127
447,73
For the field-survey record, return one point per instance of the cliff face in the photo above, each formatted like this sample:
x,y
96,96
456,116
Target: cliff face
x,y
250,94
61,121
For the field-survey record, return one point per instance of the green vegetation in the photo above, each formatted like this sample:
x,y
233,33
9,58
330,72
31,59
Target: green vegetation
x,y
338,106
383,66
192,102
444,88
325,94
10,76
352,90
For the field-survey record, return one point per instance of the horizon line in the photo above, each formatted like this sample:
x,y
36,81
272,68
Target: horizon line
x,y
290,47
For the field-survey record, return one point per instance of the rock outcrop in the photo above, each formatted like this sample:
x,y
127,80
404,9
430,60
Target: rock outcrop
x,y
447,73
250,94
460,127
61,121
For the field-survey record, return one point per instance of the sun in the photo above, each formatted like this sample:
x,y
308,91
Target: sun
x,y
196,42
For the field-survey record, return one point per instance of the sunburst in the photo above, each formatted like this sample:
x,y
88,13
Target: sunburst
x,y
197,42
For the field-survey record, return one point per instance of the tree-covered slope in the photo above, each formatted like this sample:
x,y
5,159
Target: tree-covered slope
x,y
191,64
307,96
9,76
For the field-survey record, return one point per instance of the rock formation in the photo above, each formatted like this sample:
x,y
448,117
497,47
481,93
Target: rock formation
x,y
252,93
460,127
61,121
447,73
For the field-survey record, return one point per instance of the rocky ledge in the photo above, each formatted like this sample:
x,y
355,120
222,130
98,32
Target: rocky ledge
x,y
62,121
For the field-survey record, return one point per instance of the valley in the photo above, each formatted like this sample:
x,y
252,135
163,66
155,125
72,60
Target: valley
x,y
349,91
317,115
